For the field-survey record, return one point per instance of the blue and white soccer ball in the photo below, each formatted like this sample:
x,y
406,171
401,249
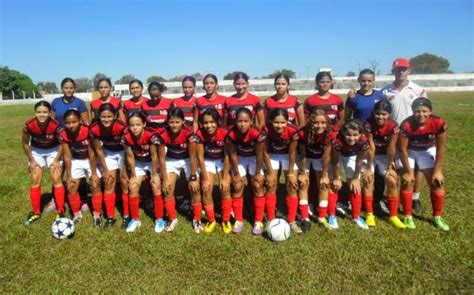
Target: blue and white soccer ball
x,y
278,230
62,228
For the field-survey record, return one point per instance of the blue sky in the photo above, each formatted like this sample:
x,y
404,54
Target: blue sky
x,y
49,40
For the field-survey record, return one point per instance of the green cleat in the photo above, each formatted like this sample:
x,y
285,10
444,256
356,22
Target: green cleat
x,y
410,224
440,223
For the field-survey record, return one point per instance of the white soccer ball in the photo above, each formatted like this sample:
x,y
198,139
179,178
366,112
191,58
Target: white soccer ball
x,y
278,230
62,228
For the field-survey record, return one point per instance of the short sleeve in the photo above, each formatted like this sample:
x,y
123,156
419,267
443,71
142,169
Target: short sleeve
x,y
82,106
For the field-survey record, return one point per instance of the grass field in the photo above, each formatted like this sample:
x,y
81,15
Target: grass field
x,y
382,260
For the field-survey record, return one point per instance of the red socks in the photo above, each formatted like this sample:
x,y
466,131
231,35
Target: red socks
x,y
259,204
356,202
134,205
158,206
393,205
407,199
59,198
109,200
75,203
238,206
226,208
368,203
270,205
323,209
197,211
126,205
97,204
437,202
304,209
210,212
292,205
35,199
332,201
170,204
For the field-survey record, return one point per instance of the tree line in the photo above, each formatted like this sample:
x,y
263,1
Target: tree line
x,y
12,80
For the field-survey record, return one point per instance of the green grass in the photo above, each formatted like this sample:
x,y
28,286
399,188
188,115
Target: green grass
x,y
382,260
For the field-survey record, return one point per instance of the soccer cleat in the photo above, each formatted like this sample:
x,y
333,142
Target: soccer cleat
x,y
125,222
84,207
257,228
171,226
51,206
238,227
332,220
341,209
226,227
360,222
32,217
295,227
305,225
409,223
160,225
383,207
324,223
440,223
133,225
59,215
417,206
98,221
370,219
209,227
109,222
395,221
197,226
77,217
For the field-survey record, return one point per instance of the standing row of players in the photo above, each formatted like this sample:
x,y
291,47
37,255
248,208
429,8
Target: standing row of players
x,y
231,138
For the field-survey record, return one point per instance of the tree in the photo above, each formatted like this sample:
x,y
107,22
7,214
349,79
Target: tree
x,y
197,76
83,84
350,74
12,80
155,78
96,78
428,63
47,87
177,78
291,74
125,79
230,76
374,66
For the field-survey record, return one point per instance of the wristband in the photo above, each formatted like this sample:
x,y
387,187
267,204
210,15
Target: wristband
x,y
193,177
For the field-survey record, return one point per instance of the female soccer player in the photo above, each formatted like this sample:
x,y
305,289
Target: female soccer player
x,y
243,98
383,135
141,154
283,100
68,101
106,133
177,152
105,86
157,107
134,104
361,105
187,101
422,141
282,143
331,103
79,160
246,145
352,147
41,146
315,153
210,100
213,161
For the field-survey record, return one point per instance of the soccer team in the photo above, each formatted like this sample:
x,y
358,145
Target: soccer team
x,y
153,141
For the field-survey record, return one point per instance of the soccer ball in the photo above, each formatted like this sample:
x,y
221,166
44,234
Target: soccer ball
x,y
62,228
278,230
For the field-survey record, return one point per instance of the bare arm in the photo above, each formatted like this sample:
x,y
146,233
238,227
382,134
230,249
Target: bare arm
x,y
260,119
85,118
196,119
300,116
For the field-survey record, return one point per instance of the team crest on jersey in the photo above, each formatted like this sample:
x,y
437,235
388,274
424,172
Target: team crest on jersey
x,y
291,110
219,106
145,146
85,142
431,136
250,108
334,107
164,112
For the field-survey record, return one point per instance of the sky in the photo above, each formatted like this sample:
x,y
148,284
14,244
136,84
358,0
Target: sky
x,y
49,40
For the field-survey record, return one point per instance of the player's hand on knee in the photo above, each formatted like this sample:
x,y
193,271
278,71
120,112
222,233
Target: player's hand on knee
x,y
292,181
336,185
437,180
